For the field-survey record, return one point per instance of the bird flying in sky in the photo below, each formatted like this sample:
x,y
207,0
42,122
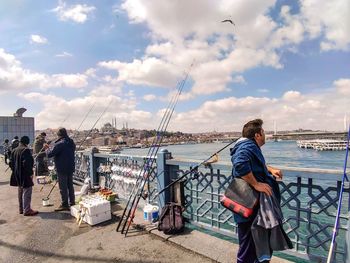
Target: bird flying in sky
x,y
228,20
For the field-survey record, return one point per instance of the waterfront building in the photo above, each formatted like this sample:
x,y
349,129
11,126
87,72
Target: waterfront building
x,y
16,125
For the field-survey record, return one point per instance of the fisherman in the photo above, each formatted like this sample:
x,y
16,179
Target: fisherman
x,y
14,143
21,164
39,153
249,164
6,148
63,153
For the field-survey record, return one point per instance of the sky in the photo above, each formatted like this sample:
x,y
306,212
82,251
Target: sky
x,y
287,62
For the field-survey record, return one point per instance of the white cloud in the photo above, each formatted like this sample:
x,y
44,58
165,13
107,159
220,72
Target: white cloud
x,y
75,13
321,110
149,97
38,39
329,20
14,77
55,109
64,54
342,86
151,72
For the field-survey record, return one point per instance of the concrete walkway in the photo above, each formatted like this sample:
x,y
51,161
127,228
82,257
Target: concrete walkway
x,y
55,237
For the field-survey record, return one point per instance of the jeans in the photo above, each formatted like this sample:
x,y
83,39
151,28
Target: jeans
x,y
65,183
24,198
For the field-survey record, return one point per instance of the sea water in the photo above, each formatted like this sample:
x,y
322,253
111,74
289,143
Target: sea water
x,y
283,153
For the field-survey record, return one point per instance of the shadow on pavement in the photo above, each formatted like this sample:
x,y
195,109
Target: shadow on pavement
x,y
61,256
5,183
54,215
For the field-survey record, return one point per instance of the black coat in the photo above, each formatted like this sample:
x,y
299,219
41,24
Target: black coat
x,y
22,167
63,153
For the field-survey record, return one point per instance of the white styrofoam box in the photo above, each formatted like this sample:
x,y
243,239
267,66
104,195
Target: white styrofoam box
x,y
75,210
96,219
96,206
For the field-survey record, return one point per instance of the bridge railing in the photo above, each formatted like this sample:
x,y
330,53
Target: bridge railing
x,y
309,198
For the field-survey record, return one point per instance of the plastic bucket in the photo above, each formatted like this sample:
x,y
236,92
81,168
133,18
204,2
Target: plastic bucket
x,y
46,201
147,213
155,213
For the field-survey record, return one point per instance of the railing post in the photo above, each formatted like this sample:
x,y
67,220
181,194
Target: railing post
x,y
93,167
166,173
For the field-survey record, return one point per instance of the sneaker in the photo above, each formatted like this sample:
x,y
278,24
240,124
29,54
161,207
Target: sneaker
x,y
20,212
31,213
62,208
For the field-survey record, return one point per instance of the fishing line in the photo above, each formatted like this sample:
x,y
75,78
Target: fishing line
x,y
144,176
345,177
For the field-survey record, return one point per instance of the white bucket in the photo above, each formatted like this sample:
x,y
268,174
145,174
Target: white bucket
x,y
147,213
46,201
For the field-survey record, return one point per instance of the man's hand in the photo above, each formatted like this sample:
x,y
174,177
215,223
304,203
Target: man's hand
x,y
260,187
263,188
46,146
275,172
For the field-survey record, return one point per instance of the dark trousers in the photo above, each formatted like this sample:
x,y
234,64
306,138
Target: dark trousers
x,y
65,183
41,167
246,252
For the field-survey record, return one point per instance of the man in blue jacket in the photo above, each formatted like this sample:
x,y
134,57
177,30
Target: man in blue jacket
x,y
63,153
249,164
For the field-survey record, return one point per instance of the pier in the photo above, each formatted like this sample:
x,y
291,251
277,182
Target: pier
x,y
54,237
309,203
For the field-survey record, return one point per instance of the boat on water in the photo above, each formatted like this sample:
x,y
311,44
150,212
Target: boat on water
x,y
323,145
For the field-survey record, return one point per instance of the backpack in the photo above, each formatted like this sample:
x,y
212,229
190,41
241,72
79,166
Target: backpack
x,y
171,220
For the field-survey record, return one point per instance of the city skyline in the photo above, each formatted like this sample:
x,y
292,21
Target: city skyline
x,y
279,60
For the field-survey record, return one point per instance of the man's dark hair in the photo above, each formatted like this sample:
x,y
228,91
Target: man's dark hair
x,y
43,134
6,140
16,137
251,128
25,140
62,132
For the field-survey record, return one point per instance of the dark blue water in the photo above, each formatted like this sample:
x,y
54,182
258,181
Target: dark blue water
x,y
284,153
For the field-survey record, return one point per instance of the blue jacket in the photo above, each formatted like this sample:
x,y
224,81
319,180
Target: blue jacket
x,y
246,156
63,153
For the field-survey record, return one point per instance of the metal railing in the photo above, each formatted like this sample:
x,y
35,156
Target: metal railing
x,y
309,197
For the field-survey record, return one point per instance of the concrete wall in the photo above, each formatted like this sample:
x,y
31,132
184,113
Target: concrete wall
x,y
12,126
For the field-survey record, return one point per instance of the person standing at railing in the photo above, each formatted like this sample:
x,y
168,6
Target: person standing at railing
x,y
249,164
39,153
63,153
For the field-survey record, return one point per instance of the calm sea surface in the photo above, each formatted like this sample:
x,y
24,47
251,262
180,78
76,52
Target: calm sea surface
x,y
283,153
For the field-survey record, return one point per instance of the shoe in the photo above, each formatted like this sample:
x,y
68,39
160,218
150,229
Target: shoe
x,y
31,213
62,208
21,212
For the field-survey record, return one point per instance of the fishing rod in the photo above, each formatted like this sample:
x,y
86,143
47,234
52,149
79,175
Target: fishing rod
x,y
345,177
87,114
64,120
205,162
150,155
141,181
81,144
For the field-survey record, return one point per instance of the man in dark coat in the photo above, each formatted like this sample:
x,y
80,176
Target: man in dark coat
x,y
22,176
39,154
63,153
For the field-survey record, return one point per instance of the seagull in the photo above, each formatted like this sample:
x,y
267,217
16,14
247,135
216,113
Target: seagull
x,y
228,20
